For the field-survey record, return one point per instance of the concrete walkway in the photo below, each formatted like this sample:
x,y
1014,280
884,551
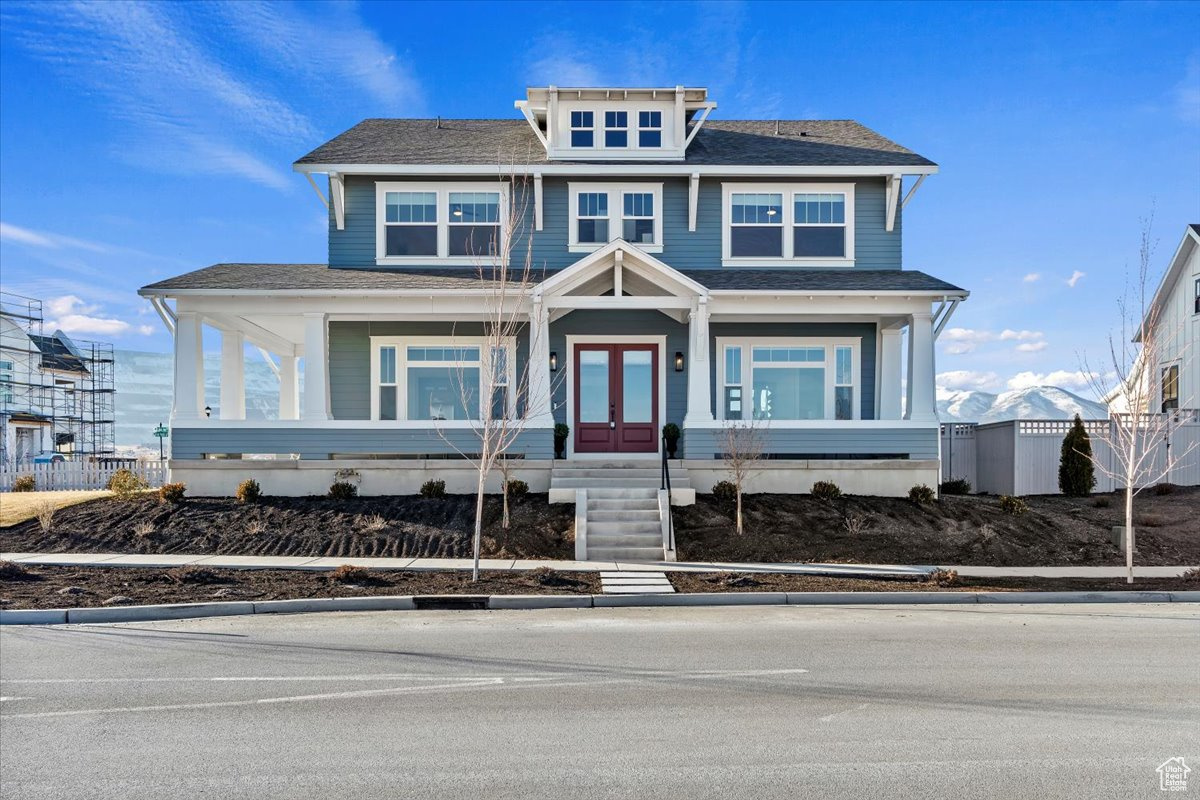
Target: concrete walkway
x,y
331,562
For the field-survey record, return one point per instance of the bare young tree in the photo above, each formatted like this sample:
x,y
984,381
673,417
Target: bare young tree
x,y
741,445
1136,451
504,390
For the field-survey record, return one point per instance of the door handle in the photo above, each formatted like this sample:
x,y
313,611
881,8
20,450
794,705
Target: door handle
x,y
612,416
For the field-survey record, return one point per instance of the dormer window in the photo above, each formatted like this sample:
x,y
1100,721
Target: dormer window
x,y
583,132
649,129
603,212
616,128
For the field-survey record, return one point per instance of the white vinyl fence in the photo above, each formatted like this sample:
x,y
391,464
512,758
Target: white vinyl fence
x,y
1021,457
81,475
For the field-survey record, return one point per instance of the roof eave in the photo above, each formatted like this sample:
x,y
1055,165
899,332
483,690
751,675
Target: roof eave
x,y
654,168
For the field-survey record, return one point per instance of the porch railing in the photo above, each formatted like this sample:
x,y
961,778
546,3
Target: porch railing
x,y
666,485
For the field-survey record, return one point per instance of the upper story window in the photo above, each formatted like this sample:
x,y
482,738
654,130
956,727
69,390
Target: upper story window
x,y
583,129
1170,388
649,129
452,223
616,128
800,224
603,212
1198,295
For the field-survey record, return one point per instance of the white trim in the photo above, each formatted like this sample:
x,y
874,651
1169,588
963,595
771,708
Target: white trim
x,y
788,191
698,123
616,214
600,168
402,343
442,190
830,424
569,364
403,292
633,258
337,194
894,184
828,344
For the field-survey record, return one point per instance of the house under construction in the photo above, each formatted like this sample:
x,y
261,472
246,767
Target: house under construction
x,y
57,394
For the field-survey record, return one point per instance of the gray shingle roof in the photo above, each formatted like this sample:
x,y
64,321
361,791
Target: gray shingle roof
x,y
719,143
320,277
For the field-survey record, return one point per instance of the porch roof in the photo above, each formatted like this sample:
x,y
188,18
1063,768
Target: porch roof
x,y
316,279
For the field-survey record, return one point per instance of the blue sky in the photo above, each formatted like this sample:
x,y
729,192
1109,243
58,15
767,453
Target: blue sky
x,y
138,141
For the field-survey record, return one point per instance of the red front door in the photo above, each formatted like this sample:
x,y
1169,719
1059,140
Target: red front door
x,y
616,398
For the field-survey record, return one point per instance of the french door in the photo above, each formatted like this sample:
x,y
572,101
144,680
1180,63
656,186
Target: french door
x,y
616,398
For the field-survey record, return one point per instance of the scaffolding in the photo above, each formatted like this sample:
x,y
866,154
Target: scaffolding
x,y
49,382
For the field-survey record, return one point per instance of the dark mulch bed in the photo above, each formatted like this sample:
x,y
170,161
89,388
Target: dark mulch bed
x,y
957,530
763,582
40,587
409,526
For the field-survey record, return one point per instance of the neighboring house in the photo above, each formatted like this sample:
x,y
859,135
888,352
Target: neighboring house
x,y
689,271
1175,311
56,395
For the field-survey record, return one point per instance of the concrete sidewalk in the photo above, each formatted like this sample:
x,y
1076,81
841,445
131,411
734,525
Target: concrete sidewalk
x,y
331,562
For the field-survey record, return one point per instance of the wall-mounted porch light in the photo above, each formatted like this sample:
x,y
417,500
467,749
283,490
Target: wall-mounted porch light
x,y
553,361
208,411
678,361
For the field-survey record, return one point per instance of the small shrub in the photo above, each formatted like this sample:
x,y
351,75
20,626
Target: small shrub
x,y
349,573
172,492
855,524
143,529
25,483
342,490
1148,521
826,490
548,576
124,484
248,491
1162,489
436,489
725,493
922,495
256,527
193,574
12,571
1191,575
1076,473
1101,502
45,515
517,488
1013,505
956,486
943,577
372,524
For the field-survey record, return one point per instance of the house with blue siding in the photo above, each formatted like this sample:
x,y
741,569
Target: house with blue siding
x,y
675,268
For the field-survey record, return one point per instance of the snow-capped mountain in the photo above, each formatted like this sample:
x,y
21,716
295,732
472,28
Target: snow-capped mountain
x,y
1035,402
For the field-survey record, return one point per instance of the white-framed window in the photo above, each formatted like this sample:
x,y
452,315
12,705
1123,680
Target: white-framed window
x,y
440,378
649,129
6,381
805,224
452,223
583,129
1197,290
603,212
616,129
1170,387
789,379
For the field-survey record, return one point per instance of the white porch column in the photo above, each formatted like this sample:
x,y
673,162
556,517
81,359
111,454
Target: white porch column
x,y
539,401
233,375
189,368
699,396
289,388
316,369
920,389
889,373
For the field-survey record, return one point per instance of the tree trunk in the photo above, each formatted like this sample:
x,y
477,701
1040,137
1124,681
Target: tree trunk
x,y
478,524
739,511
504,492
1129,529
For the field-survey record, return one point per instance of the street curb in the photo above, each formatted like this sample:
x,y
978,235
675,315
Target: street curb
x,y
176,611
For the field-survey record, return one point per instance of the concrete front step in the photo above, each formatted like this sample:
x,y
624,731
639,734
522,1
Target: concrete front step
x,y
623,493
592,472
622,514
600,528
625,553
611,482
604,541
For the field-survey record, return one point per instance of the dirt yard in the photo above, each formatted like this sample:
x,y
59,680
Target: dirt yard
x,y
412,527
957,530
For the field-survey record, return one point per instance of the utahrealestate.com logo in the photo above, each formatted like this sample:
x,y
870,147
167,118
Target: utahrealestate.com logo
x,y
1173,775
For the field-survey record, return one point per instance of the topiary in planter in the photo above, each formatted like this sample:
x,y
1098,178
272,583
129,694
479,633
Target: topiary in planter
x,y
671,435
561,432
435,489
1076,473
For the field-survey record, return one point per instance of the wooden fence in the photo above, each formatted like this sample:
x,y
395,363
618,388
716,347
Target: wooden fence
x,y
80,475
1021,457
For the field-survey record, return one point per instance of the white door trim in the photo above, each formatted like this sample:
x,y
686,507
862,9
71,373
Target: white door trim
x,y
569,362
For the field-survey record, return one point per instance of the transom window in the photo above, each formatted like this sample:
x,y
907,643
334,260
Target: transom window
x,y
601,213
616,128
440,380
649,129
583,132
787,380
782,223
458,223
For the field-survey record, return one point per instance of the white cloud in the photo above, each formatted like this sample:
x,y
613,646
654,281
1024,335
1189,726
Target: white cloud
x,y
965,379
1032,277
32,238
73,316
1009,335
1063,378
1031,347
1074,279
959,341
1187,92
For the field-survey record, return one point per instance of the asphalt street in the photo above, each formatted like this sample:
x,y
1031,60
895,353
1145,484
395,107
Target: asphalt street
x,y
754,702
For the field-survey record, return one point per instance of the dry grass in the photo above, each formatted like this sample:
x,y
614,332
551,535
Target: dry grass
x,y
256,527
372,524
143,529
45,515
19,506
